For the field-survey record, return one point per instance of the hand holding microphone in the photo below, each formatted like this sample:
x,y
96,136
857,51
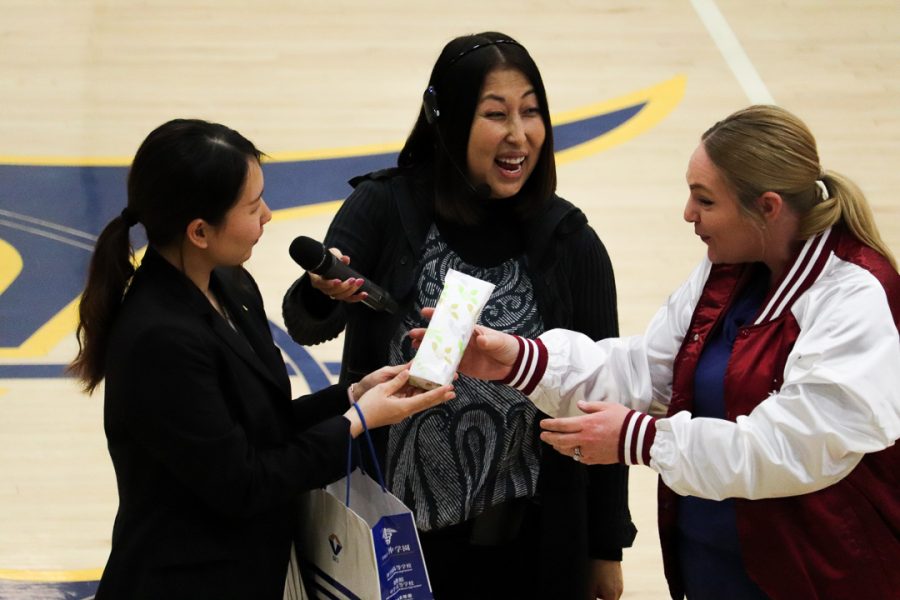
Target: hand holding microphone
x,y
316,259
342,291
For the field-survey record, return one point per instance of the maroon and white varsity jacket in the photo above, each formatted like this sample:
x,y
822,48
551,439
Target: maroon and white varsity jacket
x,y
812,393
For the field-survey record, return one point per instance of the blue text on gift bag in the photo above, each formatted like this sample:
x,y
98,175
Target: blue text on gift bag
x,y
400,565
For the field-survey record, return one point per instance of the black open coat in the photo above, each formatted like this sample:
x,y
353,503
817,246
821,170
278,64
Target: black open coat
x,y
382,227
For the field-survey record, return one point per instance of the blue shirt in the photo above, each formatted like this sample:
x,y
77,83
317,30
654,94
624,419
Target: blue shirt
x,y
709,549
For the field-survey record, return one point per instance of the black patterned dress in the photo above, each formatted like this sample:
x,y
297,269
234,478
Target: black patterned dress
x,y
454,461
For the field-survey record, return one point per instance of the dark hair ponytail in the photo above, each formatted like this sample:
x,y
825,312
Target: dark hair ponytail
x,y
185,169
110,270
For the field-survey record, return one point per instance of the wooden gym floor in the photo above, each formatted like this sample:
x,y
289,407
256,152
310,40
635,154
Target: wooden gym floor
x,y
330,88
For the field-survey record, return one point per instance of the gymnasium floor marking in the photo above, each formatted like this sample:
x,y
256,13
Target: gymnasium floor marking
x,y
35,249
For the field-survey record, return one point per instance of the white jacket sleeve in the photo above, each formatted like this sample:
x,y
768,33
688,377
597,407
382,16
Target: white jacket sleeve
x,y
633,371
840,399
840,396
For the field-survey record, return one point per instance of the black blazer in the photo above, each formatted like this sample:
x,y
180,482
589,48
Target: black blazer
x,y
209,451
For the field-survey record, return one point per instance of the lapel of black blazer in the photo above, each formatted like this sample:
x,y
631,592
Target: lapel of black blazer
x,y
257,349
254,342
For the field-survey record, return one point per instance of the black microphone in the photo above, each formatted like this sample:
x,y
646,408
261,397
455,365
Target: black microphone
x,y
315,258
432,112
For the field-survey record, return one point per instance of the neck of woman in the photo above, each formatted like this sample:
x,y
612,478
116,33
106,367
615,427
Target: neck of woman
x,y
190,263
496,239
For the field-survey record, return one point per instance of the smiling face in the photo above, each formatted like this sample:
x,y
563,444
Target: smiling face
x,y
712,207
231,242
507,133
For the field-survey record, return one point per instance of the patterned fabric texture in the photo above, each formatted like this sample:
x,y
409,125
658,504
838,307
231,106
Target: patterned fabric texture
x,y
452,462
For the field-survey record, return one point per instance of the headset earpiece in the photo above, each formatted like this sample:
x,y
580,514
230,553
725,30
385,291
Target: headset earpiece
x,y
432,115
430,105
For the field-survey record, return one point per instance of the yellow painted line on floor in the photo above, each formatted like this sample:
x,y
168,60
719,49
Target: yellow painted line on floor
x,y
660,100
50,576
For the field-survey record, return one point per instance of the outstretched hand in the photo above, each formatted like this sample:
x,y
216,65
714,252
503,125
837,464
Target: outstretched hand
x,y
392,400
489,354
375,377
595,434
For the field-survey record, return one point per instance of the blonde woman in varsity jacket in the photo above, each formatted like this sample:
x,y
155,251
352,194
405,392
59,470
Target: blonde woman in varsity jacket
x,y
778,364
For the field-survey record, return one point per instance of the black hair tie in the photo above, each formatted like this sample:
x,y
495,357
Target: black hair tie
x,y
129,217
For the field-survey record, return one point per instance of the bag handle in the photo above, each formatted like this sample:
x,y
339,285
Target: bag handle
x,y
380,479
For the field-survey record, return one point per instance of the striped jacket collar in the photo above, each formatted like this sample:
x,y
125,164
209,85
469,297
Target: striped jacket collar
x,y
805,270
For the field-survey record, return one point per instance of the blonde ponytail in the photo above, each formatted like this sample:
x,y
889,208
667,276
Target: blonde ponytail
x,y
767,148
846,204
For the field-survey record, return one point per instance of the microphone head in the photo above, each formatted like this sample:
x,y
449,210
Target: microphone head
x,y
307,252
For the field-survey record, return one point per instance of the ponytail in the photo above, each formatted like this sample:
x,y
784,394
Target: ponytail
x,y
767,148
110,271
185,169
845,203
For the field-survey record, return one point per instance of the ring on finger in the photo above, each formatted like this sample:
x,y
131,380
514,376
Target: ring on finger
x,y
577,454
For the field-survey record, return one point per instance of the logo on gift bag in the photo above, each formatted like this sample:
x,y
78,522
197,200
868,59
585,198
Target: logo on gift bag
x,y
386,534
335,543
401,566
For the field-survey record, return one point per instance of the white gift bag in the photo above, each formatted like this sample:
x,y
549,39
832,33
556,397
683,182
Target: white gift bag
x,y
293,585
357,540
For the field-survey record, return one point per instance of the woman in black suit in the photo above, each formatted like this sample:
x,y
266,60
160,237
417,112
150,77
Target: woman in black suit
x,y
209,450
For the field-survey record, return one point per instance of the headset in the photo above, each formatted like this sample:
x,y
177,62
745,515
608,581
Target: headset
x,y
433,112
429,98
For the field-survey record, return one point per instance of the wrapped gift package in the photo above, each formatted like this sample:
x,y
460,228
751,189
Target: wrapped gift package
x,y
448,333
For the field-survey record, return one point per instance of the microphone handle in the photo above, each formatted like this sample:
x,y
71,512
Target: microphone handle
x,y
378,299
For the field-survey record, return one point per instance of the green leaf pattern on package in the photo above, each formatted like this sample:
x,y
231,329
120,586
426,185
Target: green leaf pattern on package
x,y
457,311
